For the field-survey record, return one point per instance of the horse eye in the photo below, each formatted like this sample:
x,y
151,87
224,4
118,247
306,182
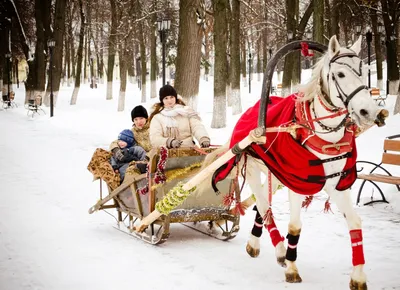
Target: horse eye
x,y
341,75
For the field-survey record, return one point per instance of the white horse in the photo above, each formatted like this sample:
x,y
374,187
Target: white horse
x,y
335,94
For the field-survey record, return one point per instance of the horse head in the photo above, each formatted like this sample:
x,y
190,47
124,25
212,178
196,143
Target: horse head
x,y
342,86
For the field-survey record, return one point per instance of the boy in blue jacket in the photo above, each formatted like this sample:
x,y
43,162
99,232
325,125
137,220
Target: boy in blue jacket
x,y
127,152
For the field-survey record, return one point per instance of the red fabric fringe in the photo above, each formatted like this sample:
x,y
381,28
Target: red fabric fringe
x,y
327,207
239,208
307,201
268,218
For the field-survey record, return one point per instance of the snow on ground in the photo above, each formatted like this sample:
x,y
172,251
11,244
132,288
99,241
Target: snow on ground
x,y
49,241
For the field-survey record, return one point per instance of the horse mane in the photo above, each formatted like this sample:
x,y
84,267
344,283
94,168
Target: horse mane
x,y
309,90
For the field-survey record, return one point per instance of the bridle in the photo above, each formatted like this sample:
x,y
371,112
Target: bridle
x,y
337,111
342,95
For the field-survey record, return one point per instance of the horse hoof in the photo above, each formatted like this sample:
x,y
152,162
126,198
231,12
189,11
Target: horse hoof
x,y
354,285
293,277
281,261
251,251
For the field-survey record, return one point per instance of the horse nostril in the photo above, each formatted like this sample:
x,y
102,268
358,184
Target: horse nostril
x,y
363,112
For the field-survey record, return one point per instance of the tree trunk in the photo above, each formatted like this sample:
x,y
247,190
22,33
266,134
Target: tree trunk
x,y
123,57
189,51
290,59
390,18
42,12
58,36
377,46
220,67
153,56
397,105
72,45
74,96
318,21
111,50
68,57
143,60
328,17
235,58
243,61
335,29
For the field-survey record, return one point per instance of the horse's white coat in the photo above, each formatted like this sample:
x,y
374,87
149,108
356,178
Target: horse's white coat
x,y
361,102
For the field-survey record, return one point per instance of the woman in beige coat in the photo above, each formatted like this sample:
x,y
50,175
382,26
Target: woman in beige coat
x,y
173,124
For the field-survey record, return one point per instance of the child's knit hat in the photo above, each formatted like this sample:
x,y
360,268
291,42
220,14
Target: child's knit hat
x,y
127,136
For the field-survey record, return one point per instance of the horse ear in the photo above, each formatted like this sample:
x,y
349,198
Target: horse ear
x,y
356,47
333,46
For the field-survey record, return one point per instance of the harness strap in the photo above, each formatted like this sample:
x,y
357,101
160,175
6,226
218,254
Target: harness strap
x,y
322,179
318,162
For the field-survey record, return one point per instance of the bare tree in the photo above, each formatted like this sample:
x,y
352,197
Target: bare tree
x,y
58,36
111,50
153,53
235,58
74,96
220,67
191,18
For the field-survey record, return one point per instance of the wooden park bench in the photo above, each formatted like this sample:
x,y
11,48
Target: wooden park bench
x,y
391,156
276,89
376,95
34,106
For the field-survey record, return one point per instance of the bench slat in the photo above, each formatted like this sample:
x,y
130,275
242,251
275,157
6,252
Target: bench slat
x,y
392,145
389,158
380,178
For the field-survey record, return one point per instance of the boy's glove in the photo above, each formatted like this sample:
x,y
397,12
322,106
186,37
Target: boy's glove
x,y
117,152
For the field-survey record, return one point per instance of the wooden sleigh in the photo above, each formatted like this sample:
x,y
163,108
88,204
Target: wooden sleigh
x,y
203,211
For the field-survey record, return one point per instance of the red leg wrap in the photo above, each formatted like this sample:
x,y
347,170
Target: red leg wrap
x,y
357,247
274,233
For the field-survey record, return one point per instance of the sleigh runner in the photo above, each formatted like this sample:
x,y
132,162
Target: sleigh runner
x,y
138,195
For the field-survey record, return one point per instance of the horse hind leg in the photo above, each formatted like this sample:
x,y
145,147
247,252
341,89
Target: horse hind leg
x,y
292,273
358,280
262,211
253,244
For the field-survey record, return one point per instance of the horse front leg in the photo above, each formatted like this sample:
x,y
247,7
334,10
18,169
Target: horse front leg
x,y
344,203
292,273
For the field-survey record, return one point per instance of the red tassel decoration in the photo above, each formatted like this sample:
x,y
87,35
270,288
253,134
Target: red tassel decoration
x,y
307,201
327,207
228,199
268,218
239,209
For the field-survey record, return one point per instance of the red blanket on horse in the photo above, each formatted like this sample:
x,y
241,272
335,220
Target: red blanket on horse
x,y
295,166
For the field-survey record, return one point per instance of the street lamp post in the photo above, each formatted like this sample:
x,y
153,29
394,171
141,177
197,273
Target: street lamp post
x,y
51,43
92,81
249,72
8,57
368,36
163,27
